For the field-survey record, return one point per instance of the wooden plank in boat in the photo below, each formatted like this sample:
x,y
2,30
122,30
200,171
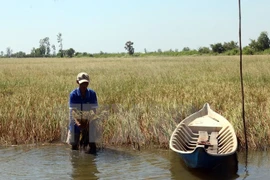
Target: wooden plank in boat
x,y
213,138
203,138
213,148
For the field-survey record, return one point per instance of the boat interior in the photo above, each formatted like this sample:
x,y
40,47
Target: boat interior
x,y
219,141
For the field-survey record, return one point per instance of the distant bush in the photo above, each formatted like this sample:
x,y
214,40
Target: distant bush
x,y
232,52
248,51
267,51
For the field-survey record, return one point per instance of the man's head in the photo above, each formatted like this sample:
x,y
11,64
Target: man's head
x,y
83,81
82,77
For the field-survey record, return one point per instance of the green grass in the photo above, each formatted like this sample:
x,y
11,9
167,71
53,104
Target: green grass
x,y
141,99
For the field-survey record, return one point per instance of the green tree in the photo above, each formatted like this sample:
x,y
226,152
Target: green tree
x,y
60,40
186,49
262,42
145,51
129,47
9,52
54,49
20,54
217,48
230,45
33,52
42,47
248,51
47,45
254,45
204,50
38,52
70,52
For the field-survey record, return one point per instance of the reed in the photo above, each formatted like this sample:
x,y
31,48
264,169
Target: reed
x,y
141,100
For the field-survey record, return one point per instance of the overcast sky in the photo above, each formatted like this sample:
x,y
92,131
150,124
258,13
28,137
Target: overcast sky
x,y
105,25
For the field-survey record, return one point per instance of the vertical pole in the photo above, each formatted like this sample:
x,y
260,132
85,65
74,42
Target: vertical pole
x,y
241,77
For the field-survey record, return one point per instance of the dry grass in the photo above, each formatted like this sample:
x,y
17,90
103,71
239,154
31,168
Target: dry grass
x,y
141,99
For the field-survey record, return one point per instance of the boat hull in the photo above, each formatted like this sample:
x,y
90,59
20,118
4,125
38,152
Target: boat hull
x,y
201,159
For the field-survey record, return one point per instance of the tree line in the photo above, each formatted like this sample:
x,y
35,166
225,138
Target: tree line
x,y
261,45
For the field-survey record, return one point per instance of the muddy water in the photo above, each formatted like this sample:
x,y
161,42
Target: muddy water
x,y
59,162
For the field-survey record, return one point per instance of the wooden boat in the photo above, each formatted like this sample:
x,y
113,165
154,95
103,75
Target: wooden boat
x,y
204,139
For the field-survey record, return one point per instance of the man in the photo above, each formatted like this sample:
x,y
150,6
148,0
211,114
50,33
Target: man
x,y
82,99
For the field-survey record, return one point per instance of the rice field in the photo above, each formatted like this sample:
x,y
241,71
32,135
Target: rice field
x,y
141,100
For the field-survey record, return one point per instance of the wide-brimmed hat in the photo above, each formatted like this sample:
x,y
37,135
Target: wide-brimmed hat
x,y
82,77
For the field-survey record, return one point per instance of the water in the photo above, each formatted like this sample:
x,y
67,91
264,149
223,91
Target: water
x,y
59,162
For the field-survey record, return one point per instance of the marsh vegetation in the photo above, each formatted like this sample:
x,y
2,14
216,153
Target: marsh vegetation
x,y
141,100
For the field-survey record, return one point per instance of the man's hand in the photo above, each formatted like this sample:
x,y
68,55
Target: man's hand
x,y
82,124
77,122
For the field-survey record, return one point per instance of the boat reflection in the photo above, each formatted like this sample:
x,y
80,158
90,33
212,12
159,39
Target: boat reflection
x,y
225,170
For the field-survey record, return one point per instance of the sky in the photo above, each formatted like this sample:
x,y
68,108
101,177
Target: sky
x,y
93,26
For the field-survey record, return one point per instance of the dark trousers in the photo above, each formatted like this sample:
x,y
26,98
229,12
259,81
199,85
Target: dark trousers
x,y
82,140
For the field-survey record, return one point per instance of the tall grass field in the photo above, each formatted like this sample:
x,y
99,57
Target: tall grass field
x,y
141,100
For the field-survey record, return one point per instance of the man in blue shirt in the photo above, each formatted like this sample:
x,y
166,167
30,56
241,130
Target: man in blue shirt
x,y
82,99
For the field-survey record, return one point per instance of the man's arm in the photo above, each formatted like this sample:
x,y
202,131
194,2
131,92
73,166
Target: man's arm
x,y
94,102
73,107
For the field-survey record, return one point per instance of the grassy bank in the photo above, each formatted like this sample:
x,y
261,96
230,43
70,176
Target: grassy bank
x,y
141,99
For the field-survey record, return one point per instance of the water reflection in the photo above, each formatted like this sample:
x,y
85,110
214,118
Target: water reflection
x,y
245,160
31,162
83,165
126,164
59,162
257,167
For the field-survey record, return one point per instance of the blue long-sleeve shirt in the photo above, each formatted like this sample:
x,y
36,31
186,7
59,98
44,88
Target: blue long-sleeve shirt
x,y
76,101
